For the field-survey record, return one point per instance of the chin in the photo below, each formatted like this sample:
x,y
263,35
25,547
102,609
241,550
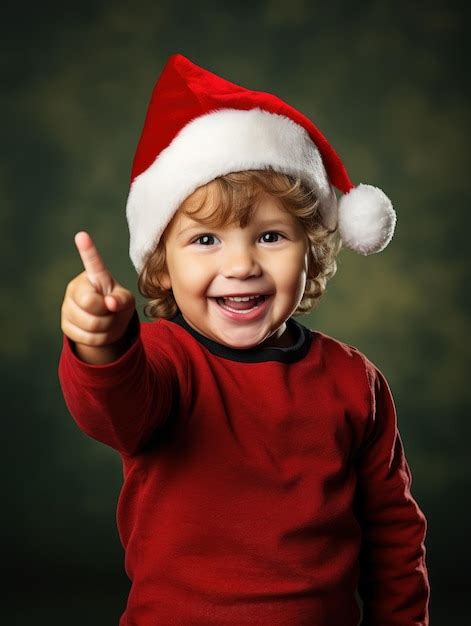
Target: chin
x,y
242,346
240,343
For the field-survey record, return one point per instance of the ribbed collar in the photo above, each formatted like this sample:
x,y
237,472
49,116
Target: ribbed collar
x,y
256,354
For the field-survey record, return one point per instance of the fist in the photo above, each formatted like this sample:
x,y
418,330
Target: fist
x,y
96,310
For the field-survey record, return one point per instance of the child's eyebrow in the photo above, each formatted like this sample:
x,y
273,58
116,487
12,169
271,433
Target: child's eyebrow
x,y
192,227
275,222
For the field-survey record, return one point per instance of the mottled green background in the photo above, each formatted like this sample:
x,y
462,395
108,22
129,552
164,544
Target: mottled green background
x,y
386,82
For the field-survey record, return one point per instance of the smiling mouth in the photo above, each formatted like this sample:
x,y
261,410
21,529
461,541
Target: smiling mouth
x,y
244,306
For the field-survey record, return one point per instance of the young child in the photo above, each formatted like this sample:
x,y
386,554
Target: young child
x,y
265,480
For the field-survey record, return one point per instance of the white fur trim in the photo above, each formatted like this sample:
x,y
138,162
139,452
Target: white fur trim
x,y
217,143
366,219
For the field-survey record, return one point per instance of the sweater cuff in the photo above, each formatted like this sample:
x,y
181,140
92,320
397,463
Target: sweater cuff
x,y
106,371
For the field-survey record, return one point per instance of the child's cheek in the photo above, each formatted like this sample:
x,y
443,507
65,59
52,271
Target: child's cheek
x,y
196,275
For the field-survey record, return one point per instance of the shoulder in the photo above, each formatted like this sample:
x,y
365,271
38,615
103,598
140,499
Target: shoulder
x,y
343,358
336,349
355,377
161,337
156,330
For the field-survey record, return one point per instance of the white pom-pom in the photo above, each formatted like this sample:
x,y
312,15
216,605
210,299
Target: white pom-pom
x,y
366,219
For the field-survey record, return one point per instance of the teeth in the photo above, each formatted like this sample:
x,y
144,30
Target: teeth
x,y
241,299
225,302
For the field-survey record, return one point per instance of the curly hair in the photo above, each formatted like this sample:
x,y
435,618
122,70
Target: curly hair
x,y
235,197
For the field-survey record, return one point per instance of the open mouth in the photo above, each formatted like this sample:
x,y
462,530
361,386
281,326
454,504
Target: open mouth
x,y
241,305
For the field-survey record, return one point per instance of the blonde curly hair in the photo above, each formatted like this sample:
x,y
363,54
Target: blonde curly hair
x,y
235,197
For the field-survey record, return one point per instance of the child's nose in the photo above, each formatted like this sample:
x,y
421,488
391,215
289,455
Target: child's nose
x,y
240,263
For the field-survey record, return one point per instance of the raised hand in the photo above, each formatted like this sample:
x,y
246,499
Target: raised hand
x,y
96,310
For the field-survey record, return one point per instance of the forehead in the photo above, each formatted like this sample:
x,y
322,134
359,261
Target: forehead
x,y
206,209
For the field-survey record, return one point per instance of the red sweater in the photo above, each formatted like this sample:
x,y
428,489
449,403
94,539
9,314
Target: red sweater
x,y
265,486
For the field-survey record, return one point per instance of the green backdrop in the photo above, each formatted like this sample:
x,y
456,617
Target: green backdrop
x,y
386,83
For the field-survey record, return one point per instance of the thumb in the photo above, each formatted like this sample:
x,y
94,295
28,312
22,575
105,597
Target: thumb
x,y
119,299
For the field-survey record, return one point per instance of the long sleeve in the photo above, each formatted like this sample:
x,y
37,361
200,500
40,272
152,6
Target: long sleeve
x,y
393,584
121,403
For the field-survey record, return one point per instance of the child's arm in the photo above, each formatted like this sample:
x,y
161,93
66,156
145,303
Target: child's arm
x,y
394,582
114,393
121,403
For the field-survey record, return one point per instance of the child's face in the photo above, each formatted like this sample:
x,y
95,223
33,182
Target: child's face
x,y
267,257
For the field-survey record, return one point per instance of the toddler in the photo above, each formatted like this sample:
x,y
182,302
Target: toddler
x,y
265,480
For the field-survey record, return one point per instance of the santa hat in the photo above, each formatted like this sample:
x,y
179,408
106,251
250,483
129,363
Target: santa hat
x,y
199,126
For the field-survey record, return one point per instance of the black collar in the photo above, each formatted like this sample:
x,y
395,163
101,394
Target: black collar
x,y
256,354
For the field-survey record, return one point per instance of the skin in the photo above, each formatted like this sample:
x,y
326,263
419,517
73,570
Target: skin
x,y
96,309
269,255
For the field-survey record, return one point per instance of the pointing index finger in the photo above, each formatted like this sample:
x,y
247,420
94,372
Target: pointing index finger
x,y
97,272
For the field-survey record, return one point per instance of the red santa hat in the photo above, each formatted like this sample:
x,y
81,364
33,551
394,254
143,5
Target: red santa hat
x,y
199,126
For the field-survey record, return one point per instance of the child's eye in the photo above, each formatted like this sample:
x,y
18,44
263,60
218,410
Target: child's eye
x,y
271,234
206,239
